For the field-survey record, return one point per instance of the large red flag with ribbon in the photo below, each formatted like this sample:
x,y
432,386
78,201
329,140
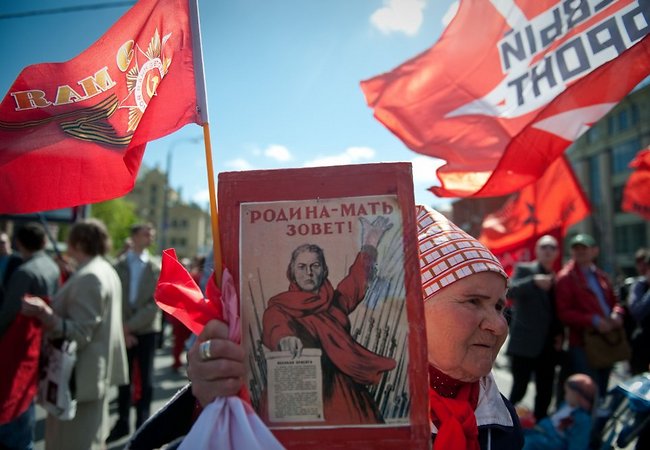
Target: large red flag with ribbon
x,y
549,206
510,84
74,133
636,195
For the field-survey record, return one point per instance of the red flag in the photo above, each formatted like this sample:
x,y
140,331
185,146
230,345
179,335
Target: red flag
x,y
510,85
636,195
554,201
179,296
74,133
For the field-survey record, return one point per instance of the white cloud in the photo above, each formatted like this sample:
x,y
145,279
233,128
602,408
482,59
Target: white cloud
x,y
399,15
424,170
201,197
351,155
451,12
238,164
278,153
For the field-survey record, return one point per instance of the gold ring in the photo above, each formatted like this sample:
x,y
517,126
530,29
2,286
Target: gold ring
x,y
204,350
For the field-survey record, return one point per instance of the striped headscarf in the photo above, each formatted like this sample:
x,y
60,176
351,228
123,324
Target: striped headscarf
x,y
447,253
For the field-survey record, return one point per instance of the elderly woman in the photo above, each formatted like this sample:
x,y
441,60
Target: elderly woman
x,y
88,310
463,287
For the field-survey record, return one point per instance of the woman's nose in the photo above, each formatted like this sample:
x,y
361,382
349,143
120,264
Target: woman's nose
x,y
495,322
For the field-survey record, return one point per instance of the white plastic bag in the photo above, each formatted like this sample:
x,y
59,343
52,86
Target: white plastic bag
x,y
55,392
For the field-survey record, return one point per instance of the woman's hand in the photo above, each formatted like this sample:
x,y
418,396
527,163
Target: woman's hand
x,y
372,232
215,364
37,307
291,344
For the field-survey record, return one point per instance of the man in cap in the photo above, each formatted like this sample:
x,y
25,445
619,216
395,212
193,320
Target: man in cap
x,y
585,300
535,331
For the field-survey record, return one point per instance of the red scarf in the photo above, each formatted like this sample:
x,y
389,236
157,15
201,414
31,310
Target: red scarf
x,y
452,405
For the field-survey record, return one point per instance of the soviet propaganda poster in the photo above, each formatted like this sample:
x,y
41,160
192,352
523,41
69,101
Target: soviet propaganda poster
x,y
326,302
323,309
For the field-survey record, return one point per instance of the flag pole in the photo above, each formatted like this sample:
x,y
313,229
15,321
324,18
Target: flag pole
x,y
216,241
202,107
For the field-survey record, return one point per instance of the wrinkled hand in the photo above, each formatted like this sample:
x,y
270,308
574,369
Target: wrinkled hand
x,y
372,232
605,325
291,344
223,374
542,281
616,320
130,340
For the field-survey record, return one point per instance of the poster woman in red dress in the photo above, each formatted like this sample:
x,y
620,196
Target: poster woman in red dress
x,y
314,314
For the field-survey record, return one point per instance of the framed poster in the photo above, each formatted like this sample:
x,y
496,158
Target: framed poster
x,y
325,261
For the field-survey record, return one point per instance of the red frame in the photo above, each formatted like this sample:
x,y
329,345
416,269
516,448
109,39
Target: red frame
x,y
235,188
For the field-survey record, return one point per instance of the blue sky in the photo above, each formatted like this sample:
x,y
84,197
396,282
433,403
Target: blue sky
x,y
282,79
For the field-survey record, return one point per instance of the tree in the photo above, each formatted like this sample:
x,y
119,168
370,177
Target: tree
x,y
118,215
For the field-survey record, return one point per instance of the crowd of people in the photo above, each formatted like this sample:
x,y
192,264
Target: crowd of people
x,y
109,310
554,317
104,304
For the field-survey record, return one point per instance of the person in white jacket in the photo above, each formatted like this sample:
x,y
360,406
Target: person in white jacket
x,y
88,310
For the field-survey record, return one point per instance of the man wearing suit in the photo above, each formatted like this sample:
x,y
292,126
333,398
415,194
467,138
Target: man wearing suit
x,y
141,320
20,337
535,331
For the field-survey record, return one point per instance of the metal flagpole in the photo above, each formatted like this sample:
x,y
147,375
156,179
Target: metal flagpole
x,y
202,105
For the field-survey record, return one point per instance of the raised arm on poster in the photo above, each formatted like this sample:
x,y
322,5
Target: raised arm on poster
x,y
334,338
301,316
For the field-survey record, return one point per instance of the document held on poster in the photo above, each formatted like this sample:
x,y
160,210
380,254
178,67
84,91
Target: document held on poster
x,y
295,386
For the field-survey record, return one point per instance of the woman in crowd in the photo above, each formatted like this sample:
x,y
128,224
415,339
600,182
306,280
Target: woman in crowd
x,y
463,287
88,310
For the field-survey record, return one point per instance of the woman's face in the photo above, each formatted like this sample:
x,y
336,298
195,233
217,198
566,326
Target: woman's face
x,y
74,252
308,271
466,326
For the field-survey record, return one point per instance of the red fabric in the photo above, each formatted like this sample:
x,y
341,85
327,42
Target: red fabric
x,y
454,417
136,383
181,334
321,321
59,150
178,295
554,201
473,103
576,303
636,195
20,348
325,317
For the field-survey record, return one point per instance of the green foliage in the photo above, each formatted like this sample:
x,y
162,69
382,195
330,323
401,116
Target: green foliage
x,y
118,215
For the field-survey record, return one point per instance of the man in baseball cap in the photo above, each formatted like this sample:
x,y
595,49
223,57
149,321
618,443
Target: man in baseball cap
x,y
586,301
582,239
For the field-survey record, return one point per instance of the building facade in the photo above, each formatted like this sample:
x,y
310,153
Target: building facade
x,y
182,226
600,158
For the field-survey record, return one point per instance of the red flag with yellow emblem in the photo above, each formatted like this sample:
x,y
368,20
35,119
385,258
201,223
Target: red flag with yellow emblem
x,y
74,133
